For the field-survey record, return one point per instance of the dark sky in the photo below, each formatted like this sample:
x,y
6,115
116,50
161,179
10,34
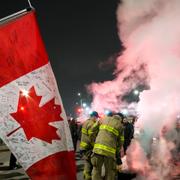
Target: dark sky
x,y
78,35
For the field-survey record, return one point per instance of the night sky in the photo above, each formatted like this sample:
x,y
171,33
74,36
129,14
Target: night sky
x,y
79,37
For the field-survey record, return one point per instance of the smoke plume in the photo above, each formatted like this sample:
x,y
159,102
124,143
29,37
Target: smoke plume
x,y
150,33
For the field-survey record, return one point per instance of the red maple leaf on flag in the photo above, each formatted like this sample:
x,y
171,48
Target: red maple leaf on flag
x,y
34,119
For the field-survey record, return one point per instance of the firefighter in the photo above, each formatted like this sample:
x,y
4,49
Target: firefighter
x,y
87,142
107,147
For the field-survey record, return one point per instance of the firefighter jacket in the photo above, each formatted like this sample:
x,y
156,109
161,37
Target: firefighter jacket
x,y
110,137
88,134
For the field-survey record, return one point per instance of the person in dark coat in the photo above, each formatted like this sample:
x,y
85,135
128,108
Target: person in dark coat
x,y
12,162
128,132
128,135
74,132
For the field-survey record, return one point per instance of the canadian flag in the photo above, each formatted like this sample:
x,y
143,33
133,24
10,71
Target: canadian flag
x,y
33,123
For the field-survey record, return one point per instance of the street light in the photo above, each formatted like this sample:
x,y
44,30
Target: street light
x,y
84,105
125,112
79,94
87,108
136,92
107,112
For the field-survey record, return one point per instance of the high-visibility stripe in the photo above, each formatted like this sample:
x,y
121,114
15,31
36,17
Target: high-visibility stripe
x,y
87,132
83,144
110,129
105,148
90,132
122,138
84,131
95,124
93,129
87,175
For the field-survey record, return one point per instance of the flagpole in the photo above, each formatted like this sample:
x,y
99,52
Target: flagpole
x,y
15,15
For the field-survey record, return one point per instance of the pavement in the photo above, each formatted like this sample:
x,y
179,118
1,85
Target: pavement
x,y
19,174
5,173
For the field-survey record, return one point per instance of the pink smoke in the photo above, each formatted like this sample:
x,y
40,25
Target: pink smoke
x,y
150,33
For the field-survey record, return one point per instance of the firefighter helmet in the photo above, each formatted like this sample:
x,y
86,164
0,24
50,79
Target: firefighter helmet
x,y
121,115
94,114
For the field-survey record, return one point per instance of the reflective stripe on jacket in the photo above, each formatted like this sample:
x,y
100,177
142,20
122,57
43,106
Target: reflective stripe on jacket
x,y
110,137
110,129
86,140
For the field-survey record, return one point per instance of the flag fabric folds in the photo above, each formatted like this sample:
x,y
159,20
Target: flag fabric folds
x,y
33,123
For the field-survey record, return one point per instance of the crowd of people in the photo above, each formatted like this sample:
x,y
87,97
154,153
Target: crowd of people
x,y
101,143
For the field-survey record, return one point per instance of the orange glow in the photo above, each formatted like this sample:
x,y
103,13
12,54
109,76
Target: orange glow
x,y
79,110
22,108
101,116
